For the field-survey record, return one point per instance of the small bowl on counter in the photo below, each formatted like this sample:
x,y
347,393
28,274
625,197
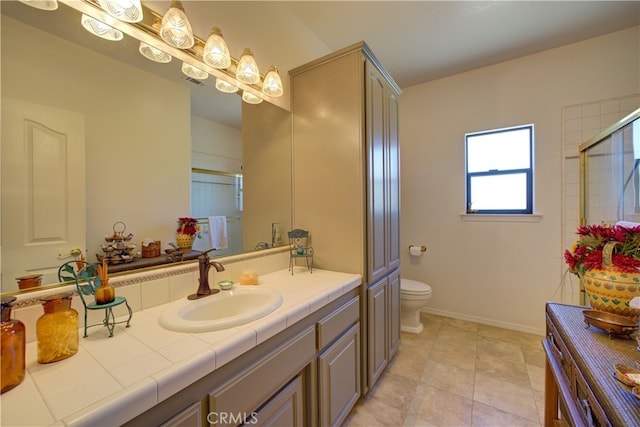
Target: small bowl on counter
x,y
225,285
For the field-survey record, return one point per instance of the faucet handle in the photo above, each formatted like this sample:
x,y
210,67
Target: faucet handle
x,y
207,251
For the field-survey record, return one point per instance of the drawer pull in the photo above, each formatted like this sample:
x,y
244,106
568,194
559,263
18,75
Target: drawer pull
x,y
587,409
555,347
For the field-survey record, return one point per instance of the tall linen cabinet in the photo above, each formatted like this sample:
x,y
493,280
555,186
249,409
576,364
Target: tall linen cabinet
x,y
346,185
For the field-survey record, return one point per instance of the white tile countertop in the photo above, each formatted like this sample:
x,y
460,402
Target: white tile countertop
x,y
111,380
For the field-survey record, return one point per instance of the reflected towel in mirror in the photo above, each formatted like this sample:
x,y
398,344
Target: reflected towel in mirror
x,y
218,231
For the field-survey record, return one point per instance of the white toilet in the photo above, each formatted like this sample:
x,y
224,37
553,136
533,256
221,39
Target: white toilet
x,y
413,296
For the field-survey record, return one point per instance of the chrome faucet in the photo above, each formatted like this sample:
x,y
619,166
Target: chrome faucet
x,y
204,264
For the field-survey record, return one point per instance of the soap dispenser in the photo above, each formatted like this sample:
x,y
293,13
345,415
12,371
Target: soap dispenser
x,y
12,351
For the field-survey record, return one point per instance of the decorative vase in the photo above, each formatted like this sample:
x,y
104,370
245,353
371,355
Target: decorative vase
x,y
611,290
185,242
57,329
12,348
105,293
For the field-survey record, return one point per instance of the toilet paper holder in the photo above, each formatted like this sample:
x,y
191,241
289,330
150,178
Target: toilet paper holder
x,y
423,248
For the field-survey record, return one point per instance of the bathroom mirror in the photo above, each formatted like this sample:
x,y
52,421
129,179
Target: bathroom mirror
x,y
137,127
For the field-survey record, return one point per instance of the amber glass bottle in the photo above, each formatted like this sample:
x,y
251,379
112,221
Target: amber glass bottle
x,y
12,348
57,329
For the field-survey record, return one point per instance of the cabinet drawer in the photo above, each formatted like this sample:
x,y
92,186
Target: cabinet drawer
x,y
561,351
591,410
242,395
284,409
337,322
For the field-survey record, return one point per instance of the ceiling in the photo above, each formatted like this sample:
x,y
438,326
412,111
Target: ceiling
x,y
416,41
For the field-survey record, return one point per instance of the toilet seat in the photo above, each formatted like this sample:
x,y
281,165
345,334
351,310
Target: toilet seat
x,y
413,287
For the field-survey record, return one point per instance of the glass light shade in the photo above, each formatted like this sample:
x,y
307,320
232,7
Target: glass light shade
x,y
216,52
225,86
250,98
175,29
247,71
194,72
153,53
272,85
42,4
124,10
100,29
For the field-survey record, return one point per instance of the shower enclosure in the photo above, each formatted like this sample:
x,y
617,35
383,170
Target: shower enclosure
x,y
610,174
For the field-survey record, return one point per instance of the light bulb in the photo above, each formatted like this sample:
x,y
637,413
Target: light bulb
x,y
153,53
216,52
124,10
272,85
175,29
194,72
247,71
42,4
225,86
100,29
250,98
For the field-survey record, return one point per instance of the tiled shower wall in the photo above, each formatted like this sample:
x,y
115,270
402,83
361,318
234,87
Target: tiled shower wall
x,y
579,123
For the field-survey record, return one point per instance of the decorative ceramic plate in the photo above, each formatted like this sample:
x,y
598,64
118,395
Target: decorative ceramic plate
x,y
627,375
612,324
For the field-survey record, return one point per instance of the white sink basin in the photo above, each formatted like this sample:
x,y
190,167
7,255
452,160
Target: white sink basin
x,y
223,310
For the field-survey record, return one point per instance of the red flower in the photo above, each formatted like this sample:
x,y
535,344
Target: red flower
x,y
587,251
188,225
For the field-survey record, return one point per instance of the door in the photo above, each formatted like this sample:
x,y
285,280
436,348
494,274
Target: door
x,y
43,189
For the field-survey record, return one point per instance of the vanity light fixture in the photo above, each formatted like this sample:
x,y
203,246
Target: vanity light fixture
x,y
42,4
100,29
250,98
194,72
225,86
124,10
216,52
272,84
154,54
175,29
151,52
247,71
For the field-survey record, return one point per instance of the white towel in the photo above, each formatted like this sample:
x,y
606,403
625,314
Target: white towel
x,y
218,231
628,224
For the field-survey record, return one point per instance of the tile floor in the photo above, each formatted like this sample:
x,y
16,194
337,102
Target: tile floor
x,y
458,373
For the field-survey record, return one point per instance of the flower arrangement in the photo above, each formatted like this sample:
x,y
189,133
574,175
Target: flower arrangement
x,y
189,226
587,252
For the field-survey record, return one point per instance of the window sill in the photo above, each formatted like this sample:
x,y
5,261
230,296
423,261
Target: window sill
x,y
501,217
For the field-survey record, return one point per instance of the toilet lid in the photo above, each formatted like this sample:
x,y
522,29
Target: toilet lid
x,y
408,286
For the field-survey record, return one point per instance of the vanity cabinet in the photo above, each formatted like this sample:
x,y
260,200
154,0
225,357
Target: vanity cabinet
x,y
383,303
346,170
339,383
306,375
580,385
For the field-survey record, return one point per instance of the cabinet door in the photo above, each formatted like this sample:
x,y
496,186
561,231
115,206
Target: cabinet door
x,y
376,173
376,330
190,417
393,321
393,181
284,409
339,377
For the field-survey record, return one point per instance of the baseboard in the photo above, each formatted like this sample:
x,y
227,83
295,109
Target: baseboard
x,y
483,321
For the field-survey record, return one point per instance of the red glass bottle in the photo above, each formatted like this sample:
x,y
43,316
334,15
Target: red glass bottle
x,y
12,348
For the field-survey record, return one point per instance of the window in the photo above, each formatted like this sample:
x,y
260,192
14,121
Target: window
x,y
500,171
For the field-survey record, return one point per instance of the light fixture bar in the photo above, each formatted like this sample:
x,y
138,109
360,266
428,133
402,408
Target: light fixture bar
x,y
144,31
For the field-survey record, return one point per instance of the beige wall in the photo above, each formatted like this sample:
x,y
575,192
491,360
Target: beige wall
x,y
138,165
499,272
